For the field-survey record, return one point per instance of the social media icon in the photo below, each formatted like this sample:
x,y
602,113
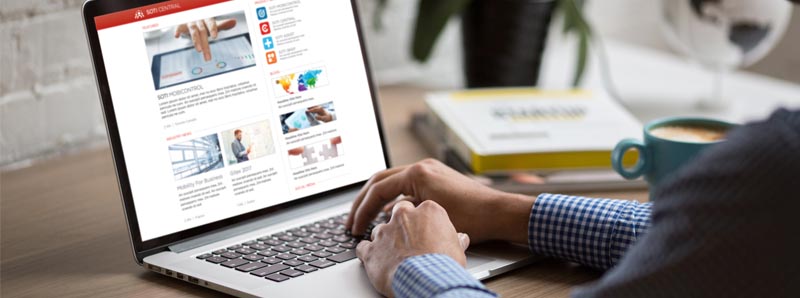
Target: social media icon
x,y
268,44
264,28
262,13
272,58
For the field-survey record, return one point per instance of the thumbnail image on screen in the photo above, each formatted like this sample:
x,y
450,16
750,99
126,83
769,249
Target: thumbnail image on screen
x,y
197,156
247,142
308,117
317,152
179,54
300,80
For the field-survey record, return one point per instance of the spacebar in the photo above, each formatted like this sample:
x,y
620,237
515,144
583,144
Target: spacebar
x,y
345,256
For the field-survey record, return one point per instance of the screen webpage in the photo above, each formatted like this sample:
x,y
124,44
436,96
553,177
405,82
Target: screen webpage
x,y
226,107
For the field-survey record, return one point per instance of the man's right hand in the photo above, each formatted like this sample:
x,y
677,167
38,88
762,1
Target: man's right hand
x,y
477,210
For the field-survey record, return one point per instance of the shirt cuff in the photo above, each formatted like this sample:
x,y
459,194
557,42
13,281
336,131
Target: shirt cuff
x,y
592,232
435,275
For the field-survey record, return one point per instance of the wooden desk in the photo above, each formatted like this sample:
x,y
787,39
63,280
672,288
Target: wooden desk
x,y
63,230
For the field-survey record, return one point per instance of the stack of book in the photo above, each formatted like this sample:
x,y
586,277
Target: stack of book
x,y
527,140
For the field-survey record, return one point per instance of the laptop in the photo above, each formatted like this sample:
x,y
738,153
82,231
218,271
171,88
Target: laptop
x,y
241,131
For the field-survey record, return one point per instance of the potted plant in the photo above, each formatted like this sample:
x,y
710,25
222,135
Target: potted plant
x,y
503,40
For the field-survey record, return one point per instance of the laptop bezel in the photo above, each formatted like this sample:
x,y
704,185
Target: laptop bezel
x,y
142,249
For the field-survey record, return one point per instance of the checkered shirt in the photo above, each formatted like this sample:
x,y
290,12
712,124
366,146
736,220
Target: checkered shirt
x,y
435,275
593,232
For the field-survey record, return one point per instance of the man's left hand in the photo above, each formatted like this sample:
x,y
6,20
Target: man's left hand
x,y
411,231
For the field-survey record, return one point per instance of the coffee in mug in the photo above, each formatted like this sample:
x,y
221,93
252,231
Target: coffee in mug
x,y
694,134
668,145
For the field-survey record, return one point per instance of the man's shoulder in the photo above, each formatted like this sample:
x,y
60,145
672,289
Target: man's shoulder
x,y
781,130
790,118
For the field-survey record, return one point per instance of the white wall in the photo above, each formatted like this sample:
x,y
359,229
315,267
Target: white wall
x,y
48,101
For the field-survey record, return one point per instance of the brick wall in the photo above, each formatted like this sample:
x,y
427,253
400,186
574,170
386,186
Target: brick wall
x,y
48,100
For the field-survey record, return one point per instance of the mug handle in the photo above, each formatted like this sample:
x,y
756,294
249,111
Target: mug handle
x,y
641,166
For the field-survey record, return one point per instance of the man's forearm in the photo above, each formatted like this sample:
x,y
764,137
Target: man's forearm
x,y
592,232
510,217
589,231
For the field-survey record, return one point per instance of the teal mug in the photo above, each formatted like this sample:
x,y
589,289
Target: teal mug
x,y
659,157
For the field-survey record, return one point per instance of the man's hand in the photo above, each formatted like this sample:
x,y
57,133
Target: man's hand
x,y
201,30
475,209
296,151
321,113
410,232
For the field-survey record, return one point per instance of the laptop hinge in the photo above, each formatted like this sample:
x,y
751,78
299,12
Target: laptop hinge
x,y
264,221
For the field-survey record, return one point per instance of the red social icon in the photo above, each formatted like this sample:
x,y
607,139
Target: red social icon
x,y
272,57
264,28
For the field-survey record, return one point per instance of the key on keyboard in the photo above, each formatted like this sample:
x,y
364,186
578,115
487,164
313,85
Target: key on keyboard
x,y
291,253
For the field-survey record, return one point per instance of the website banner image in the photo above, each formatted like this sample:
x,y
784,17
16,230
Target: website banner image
x,y
199,49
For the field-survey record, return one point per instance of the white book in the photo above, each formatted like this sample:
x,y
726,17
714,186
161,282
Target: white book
x,y
507,129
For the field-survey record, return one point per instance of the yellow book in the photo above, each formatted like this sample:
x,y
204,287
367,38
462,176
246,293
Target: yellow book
x,y
524,129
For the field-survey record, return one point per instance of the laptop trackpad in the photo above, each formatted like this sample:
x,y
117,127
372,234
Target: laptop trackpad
x,y
492,258
475,260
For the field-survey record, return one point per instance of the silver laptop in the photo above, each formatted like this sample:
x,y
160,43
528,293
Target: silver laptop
x,y
241,131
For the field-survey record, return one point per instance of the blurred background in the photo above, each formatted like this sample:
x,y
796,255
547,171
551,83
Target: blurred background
x,y
49,103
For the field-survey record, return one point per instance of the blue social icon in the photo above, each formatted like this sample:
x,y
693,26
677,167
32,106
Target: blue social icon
x,y
262,13
268,44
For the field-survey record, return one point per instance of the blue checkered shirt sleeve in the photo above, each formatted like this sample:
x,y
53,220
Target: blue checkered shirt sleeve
x,y
436,275
592,232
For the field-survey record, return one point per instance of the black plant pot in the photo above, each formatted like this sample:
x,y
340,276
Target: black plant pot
x,y
503,41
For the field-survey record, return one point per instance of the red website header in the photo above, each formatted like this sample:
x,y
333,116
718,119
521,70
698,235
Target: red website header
x,y
149,12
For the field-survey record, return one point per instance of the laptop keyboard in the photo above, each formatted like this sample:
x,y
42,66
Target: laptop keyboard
x,y
291,253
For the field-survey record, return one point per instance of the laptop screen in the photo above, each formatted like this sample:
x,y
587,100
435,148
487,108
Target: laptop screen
x,y
227,107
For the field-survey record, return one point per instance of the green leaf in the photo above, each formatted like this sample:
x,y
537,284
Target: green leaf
x,y
574,21
570,22
432,16
573,15
583,51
